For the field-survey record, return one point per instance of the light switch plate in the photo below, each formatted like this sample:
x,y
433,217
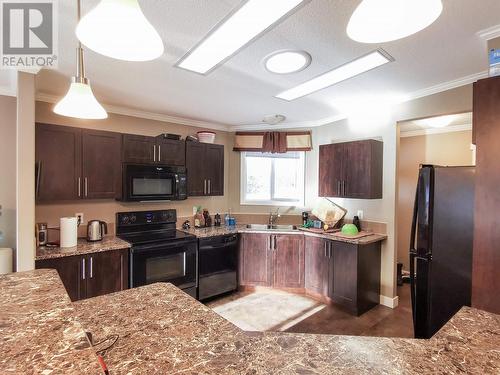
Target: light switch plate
x,y
360,214
79,216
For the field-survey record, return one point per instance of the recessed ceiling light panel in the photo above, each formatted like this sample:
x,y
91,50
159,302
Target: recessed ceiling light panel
x,y
379,21
285,62
239,28
339,74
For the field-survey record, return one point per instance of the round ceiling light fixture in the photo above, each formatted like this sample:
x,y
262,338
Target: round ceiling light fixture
x,y
379,21
273,119
285,62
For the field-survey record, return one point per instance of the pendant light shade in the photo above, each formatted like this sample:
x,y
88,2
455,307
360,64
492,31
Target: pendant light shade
x,y
119,29
379,21
80,102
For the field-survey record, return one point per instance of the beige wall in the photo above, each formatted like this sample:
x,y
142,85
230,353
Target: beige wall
x,y
106,209
442,149
8,171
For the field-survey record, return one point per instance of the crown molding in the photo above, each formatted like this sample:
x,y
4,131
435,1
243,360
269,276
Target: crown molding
x,y
445,86
119,110
446,129
489,33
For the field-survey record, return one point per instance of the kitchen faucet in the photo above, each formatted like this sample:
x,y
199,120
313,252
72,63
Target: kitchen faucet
x,y
273,217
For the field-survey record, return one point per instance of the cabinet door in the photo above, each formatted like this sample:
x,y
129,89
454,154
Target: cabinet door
x,y
344,274
316,265
70,271
171,152
331,169
288,267
254,259
214,167
363,169
107,272
101,164
58,162
195,165
139,149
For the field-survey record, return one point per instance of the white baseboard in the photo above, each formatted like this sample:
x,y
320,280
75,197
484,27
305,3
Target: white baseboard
x,y
389,302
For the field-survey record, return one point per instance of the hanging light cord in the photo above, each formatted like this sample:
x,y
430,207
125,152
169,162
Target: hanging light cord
x,y
80,67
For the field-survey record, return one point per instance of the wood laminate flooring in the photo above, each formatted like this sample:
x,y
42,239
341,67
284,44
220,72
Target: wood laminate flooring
x,y
380,321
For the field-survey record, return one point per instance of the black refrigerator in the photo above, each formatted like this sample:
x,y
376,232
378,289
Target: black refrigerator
x,y
441,246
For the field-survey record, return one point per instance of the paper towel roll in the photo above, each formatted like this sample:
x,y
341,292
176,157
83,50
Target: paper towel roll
x,y
69,231
5,260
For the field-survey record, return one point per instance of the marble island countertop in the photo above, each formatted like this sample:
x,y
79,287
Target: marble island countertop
x,y
223,230
163,330
108,243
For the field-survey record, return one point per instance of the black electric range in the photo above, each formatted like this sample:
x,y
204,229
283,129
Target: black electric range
x,y
159,252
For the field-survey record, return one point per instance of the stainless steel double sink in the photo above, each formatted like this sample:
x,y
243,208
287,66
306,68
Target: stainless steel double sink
x,y
267,227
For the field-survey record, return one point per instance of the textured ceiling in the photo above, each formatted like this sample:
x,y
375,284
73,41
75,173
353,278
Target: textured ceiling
x,y
241,91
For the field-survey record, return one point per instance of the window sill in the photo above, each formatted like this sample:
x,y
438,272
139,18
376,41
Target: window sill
x,y
273,203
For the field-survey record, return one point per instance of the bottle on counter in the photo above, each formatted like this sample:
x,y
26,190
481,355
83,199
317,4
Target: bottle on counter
x,y
207,218
217,220
356,222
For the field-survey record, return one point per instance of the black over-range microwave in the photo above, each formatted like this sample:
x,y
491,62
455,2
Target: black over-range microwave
x,y
153,183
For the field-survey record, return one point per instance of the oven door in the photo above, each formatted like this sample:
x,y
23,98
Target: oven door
x,y
174,263
147,183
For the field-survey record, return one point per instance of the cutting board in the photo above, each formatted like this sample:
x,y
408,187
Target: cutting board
x,y
355,237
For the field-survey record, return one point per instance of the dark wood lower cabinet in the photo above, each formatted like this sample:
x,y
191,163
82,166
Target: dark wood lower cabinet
x,y
339,272
91,275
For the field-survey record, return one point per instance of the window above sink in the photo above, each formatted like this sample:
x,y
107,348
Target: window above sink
x,y
272,179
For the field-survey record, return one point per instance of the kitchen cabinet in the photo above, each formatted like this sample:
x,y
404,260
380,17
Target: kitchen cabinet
x,y
317,264
351,169
73,163
288,262
255,259
205,169
139,149
486,255
91,275
272,260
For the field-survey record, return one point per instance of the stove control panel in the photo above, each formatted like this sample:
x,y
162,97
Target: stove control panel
x,y
146,217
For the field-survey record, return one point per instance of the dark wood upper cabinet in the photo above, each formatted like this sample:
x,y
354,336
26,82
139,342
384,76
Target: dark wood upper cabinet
x,y
486,254
205,169
316,265
140,149
171,152
58,162
255,260
91,275
288,270
101,166
73,163
351,169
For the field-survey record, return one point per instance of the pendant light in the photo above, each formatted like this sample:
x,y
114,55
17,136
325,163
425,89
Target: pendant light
x,y
119,29
79,101
379,21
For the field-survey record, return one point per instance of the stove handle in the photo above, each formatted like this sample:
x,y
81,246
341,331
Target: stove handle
x,y
170,245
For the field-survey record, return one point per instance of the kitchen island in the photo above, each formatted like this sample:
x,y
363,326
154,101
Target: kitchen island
x,y
163,330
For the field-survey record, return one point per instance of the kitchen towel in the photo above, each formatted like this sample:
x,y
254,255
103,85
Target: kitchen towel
x,y
5,260
69,231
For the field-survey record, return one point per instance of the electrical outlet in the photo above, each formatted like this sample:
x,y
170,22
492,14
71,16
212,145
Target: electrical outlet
x,y
79,216
360,214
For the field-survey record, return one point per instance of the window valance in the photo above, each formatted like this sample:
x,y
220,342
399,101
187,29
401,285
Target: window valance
x,y
273,142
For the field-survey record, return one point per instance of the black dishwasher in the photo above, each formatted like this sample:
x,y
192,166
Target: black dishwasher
x,y
217,265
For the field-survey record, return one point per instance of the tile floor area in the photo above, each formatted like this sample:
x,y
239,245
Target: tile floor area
x,y
279,311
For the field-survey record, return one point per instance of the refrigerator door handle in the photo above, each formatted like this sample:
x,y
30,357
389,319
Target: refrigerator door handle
x,y
413,288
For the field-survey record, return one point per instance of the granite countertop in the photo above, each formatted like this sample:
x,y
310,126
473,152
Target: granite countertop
x,y
83,247
39,330
163,330
222,230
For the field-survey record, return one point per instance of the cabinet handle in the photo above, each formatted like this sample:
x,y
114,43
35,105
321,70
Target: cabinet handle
x,y
338,187
209,186
159,153
39,173
330,252
83,269
205,187
79,187
91,267
275,243
86,187
154,152
268,244
343,187
326,245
